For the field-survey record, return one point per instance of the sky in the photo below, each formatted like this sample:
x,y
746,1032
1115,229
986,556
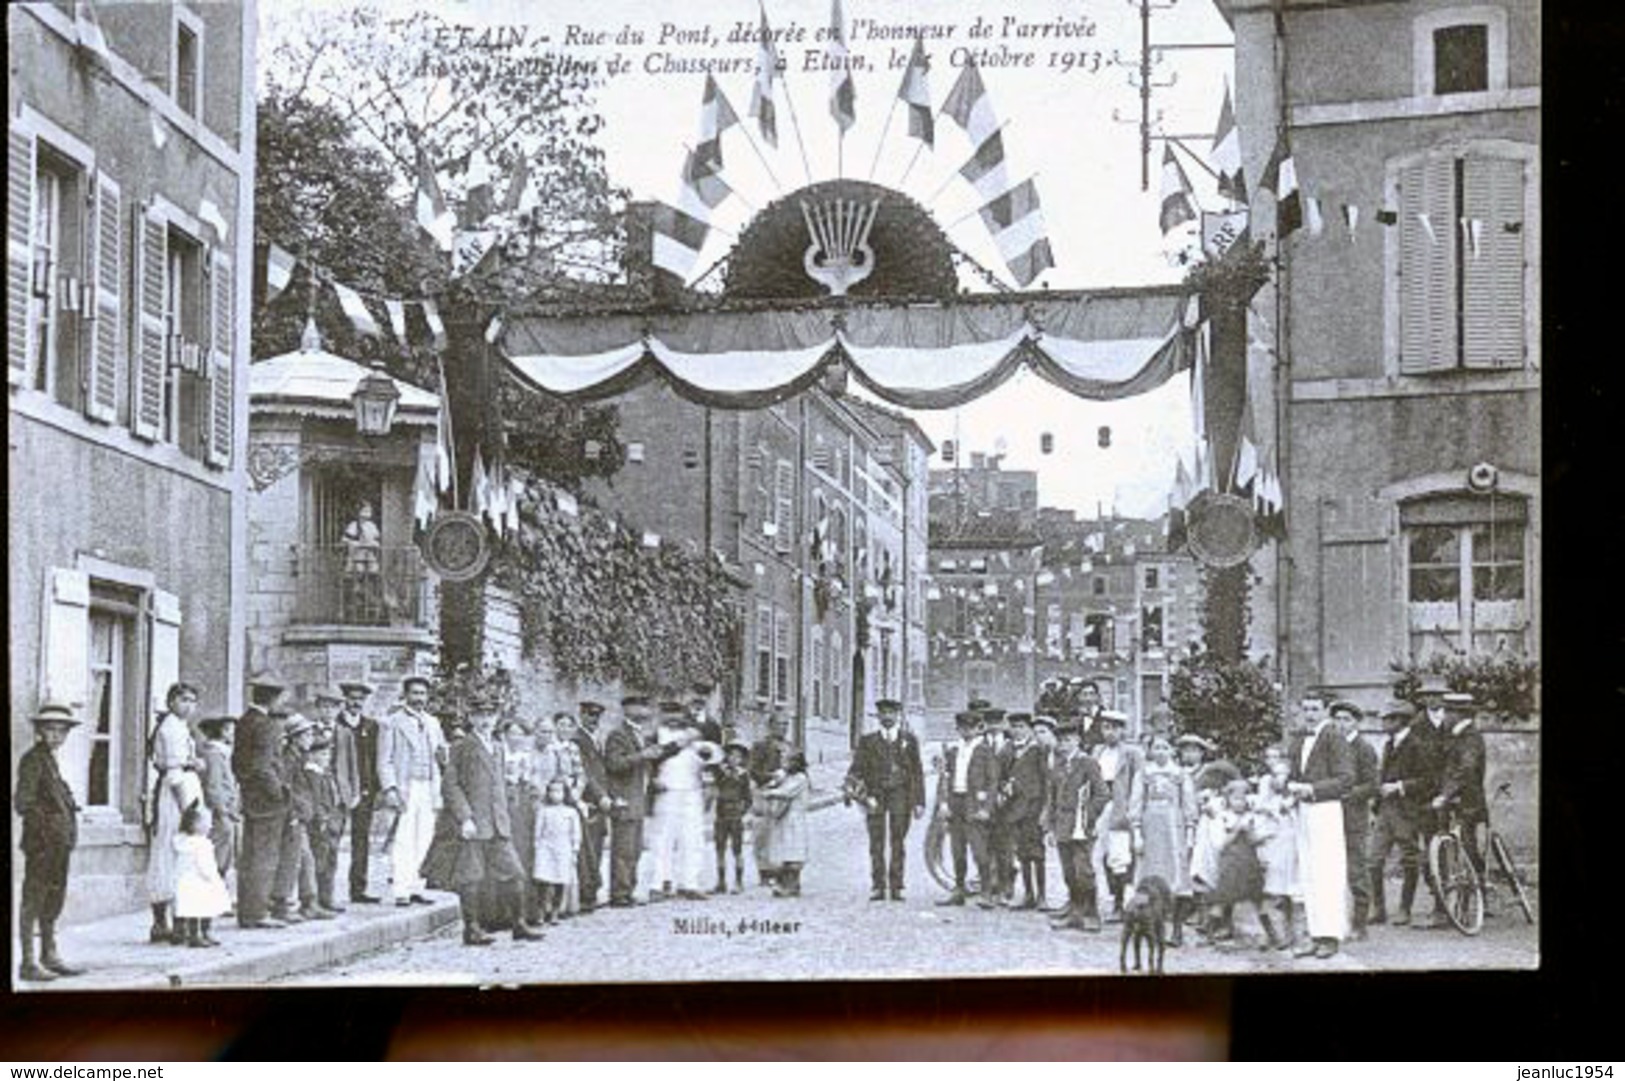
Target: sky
x,y
1070,122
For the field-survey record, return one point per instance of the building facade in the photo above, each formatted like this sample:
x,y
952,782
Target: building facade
x,y
1411,331
129,198
338,589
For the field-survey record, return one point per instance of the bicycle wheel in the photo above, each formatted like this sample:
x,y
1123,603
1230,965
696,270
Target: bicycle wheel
x,y
1503,860
1458,883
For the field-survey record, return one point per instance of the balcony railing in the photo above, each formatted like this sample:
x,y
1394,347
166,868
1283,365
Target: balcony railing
x,y
360,586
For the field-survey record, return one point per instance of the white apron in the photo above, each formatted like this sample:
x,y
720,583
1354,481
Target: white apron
x,y
1323,868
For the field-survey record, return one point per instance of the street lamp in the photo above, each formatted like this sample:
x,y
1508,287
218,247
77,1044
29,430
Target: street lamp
x,y
375,399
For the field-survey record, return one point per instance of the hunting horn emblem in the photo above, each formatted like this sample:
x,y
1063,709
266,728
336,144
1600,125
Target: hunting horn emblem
x,y
839,256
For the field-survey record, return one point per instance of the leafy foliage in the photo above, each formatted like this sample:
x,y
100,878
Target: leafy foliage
x,y
1234,703
1500,683
1232,279
1226,609
458,685
605,606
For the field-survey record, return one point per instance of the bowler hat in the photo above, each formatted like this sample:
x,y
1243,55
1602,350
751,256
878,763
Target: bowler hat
x,y
55,713
352,685
266,681
888,705
325,693
418,678
1433,685
211,726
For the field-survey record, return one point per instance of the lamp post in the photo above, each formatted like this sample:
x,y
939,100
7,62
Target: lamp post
x,y
375,399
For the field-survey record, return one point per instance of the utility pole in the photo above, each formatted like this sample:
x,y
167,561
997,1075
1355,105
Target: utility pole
x,y
1140,77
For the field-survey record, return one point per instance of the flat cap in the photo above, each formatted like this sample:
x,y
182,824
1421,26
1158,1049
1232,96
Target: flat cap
x,y
888,705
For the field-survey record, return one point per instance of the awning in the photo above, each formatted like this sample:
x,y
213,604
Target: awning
x,y
1104,345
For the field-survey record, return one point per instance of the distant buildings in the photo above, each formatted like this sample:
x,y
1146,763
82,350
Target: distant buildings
x,y
130,179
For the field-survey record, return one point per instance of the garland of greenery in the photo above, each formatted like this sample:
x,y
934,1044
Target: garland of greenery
x,y
604,605
1232,279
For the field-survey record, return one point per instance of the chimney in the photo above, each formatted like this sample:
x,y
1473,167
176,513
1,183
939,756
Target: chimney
x,y
978,460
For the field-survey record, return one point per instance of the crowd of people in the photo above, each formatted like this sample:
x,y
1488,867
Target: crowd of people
x,y
517,815
1291,858
248,815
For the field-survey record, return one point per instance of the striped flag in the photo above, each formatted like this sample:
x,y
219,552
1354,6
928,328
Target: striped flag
x,y
761,92
1281,177
1016,220
703,181
397,318
917,96
279,264
678,237
432,214
969,106
479,199
356,309
843,93
1176,193
1226,153
437,329
985,169
716,117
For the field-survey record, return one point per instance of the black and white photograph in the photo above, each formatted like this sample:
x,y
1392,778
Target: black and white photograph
x,y
514,494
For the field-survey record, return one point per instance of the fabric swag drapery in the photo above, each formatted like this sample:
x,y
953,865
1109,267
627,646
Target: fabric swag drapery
x,y
1101,345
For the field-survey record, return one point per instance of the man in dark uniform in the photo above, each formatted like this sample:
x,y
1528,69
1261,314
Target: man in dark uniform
x,y
50,817
1024,785
1405,788
256,759
487,868
1357,815
589,741
970,775
363,738
1461,778
629,752
887,778
1001,852
1432,731
1077,796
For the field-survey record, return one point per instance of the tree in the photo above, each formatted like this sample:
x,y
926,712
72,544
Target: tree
x,y
1233,703
352,100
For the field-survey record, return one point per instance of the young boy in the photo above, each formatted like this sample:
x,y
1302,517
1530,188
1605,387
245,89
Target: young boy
x,y
300,736
328,813
220,793
733,795
50,831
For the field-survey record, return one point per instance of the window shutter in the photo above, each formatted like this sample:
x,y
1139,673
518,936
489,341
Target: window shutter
x,y
1355,583
150,353
1427,267
783,505
107,279
1492,194
218,430
64,659
19,253
166,648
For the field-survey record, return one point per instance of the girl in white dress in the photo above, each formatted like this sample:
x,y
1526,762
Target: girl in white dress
x,y
200,892
558,845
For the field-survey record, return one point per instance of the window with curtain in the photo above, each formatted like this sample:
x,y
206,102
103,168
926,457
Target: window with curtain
x,y
1467,574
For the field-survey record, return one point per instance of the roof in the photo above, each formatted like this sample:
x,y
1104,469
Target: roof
x,y
891,418
316,381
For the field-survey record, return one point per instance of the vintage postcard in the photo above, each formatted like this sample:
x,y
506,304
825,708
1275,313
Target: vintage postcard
x,y
511,493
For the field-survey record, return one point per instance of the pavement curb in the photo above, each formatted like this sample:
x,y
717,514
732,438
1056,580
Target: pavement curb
x,y
277,960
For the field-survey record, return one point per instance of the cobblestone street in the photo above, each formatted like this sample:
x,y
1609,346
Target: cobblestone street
x,y
834,929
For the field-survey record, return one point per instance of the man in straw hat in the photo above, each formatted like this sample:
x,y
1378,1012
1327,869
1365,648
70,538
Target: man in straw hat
x,y
411,755
50,830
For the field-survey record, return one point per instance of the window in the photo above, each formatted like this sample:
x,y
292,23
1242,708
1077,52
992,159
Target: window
x,y
1461,59
188,60
185,390
108,707
837,676
53,305
1151,627
764,652
916,681
1098,586
1152,577
979,679
1460,51
783,505
781,657
1098,632
1467,574
1462,262
818,671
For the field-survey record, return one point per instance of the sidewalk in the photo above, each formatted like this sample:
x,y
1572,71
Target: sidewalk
x,y
116,955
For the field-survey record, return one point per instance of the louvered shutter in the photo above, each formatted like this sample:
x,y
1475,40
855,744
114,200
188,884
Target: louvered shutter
x,y
783,504
218,402
19,253
1427,267
64,656
106,280
149,354
166,647
1493,327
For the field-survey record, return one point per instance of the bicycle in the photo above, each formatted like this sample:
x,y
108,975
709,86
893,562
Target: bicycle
x,y
1503,860
1457,879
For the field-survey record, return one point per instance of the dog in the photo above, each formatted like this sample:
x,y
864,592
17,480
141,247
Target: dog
x,y
1145,918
